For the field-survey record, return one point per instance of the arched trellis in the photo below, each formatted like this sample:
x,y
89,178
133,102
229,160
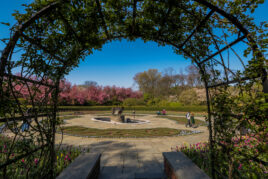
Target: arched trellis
x,y
28,36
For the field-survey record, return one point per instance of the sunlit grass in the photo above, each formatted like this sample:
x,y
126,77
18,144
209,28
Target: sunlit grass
x,y
90,132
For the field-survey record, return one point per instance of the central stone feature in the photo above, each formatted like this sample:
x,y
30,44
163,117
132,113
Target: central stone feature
x,y
117,117
122,120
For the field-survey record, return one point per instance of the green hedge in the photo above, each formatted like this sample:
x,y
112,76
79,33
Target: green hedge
x,y
137,108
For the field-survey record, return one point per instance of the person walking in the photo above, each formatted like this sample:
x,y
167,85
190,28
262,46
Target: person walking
x,y
26,122
188,117
192,119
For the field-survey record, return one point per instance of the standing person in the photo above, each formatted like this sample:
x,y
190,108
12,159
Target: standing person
x,y
134,113
188,117
192,119
113,110
25,124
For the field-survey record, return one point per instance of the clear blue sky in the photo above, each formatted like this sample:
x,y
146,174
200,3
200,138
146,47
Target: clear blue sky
x,y
118,62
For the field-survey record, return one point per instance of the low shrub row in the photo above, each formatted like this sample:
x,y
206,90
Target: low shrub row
x,y
137,108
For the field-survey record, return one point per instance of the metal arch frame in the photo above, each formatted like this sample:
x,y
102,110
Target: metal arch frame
x,y
50,7
5,55
19,33
246,33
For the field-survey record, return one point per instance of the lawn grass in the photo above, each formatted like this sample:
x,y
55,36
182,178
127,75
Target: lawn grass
x,y
130,112
183,120
192,108
197,114
89,132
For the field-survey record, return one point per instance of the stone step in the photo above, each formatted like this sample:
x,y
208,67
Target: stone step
x,y
150,175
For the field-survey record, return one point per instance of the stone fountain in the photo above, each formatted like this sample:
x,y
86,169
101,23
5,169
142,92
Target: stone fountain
x,y
117,117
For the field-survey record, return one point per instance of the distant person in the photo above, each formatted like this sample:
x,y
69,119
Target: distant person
x,y
113,110
163,112
134,113
24,126
121,111
158,113
192,119
188,117
26,123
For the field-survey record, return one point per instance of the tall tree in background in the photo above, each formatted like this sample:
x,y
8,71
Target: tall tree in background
x,y
180,79
90,83
166,82
168,85
193,77
148,81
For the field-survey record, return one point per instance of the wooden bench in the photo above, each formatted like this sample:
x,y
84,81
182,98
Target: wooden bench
x,y
178,165
85,166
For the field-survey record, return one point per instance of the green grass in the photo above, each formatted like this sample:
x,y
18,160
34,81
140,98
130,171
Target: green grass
x,y
126,111
197,114
182,120
137,108
154,132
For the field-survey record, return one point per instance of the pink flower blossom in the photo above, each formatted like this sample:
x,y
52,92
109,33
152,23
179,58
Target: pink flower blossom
x,y
36,161
240,166
80,94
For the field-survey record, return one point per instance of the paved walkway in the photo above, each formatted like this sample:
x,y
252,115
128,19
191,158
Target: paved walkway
x,y
131,158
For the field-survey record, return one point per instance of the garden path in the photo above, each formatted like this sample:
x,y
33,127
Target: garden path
x,y
129,157
155,122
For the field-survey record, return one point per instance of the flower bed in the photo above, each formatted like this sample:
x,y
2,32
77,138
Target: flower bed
x,y
33,166
243,163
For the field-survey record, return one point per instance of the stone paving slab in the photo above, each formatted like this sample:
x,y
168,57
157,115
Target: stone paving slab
x,y
148,175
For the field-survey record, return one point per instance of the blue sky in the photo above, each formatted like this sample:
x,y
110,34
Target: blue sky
x,y
117,62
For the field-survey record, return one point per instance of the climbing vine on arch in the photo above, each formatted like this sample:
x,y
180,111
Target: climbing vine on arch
x,y
53,36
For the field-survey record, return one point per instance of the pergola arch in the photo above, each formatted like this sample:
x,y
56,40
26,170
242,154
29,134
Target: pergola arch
x,y
60,33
